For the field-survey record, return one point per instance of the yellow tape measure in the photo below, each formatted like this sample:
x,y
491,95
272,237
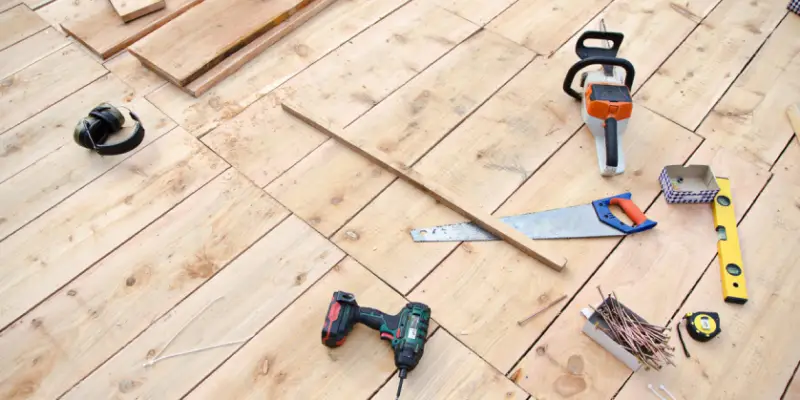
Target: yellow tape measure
x,y
734,289
702,325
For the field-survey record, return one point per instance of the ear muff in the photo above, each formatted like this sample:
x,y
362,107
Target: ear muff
x,y
93,131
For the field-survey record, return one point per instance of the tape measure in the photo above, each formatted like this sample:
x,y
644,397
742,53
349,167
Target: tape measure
x,y
702,325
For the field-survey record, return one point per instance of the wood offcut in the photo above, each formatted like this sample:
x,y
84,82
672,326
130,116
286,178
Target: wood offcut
x,y
129,10
444,195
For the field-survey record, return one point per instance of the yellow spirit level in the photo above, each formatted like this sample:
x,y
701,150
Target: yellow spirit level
x,y
734,289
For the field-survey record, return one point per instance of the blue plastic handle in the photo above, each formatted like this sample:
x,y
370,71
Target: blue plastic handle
x,y
601,207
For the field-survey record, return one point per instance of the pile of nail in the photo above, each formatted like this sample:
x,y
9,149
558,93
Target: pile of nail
x,y
649,343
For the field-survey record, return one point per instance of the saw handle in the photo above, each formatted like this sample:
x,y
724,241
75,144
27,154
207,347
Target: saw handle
x,y
640,221
630,72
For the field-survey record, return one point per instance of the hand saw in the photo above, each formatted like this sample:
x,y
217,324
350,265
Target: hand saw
x,y
584,221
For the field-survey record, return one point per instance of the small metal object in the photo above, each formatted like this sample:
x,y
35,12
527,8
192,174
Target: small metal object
x,y
547,307
664,388
683,344
652,389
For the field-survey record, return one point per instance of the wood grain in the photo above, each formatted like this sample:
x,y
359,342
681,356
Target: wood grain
x,y
262,369
17,24
128,69
95,220
45,82
80,326
751,345
301,48
96,25
694,78
26,52
238,59
441,193
207,34
129,10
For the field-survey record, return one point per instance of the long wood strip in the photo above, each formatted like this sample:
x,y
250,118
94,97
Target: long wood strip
x,y
449,198
238,59
201,38
45,82
62,243
129,10
753,345
510,287
301,48
688,85
17,24
54,177
263,370
18,56
80,326
96,25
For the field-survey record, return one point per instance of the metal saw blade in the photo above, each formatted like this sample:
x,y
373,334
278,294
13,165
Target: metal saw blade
x,y
561,223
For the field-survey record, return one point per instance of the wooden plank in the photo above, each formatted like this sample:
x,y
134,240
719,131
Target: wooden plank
x,y
45,82
650,273
20,55
756,344
63,339
688,85
363,72
263,369
793,391
95,220
751,116
439,192
405,125
238,59
511,289
51,179
127,68
129,10
544,25
788,166
451,371
319,36
25,144
251,291
494,151
207,34
96,25
8,4
477,11
17,24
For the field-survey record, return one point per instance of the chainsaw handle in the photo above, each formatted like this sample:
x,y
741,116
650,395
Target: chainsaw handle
x,y
630,72
640,221
584,51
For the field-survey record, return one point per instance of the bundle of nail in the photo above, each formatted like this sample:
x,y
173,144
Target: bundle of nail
x,y
649,343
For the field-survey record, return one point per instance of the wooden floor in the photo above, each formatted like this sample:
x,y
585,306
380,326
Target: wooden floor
x,y
234,222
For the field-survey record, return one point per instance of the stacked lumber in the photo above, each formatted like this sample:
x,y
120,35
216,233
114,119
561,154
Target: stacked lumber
x,y
217,37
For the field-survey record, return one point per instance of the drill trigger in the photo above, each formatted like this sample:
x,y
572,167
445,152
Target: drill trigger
x,y
387,336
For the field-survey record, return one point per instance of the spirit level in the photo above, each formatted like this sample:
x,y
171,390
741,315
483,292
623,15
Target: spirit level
x,y
734,289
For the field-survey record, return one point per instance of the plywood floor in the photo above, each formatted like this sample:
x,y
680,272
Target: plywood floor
x,y
234,222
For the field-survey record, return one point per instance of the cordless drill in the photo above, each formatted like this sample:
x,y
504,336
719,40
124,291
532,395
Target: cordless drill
x,y
406,331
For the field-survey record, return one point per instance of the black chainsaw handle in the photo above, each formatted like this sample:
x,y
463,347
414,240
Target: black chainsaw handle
x,y
581,64
585,51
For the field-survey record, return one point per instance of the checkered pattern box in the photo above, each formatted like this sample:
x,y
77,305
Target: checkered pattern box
x,y
688,184
794,6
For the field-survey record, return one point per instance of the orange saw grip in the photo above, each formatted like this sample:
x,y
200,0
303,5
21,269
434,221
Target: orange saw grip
x,y
630,209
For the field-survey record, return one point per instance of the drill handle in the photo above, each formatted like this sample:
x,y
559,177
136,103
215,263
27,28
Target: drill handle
x,y
375,319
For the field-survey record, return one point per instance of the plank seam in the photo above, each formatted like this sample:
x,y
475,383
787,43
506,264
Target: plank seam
x,y
791,379
47,25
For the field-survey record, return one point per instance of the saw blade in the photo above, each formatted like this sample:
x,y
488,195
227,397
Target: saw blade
x,y
562,223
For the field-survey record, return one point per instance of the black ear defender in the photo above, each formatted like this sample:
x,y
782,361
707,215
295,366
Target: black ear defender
x,y
93,131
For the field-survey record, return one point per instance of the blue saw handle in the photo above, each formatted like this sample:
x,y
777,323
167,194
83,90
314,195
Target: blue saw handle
x,y
640,221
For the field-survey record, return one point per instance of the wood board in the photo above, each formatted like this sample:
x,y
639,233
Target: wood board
x,y
18,23
478,11
129,10
128,69
688,85
207,34
301,48
95,220
750,343
96,25
238,59
439,192
405,125
67,337
26,52
44,83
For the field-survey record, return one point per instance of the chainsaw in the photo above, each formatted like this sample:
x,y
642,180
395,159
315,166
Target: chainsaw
x,y
589,220
606,98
